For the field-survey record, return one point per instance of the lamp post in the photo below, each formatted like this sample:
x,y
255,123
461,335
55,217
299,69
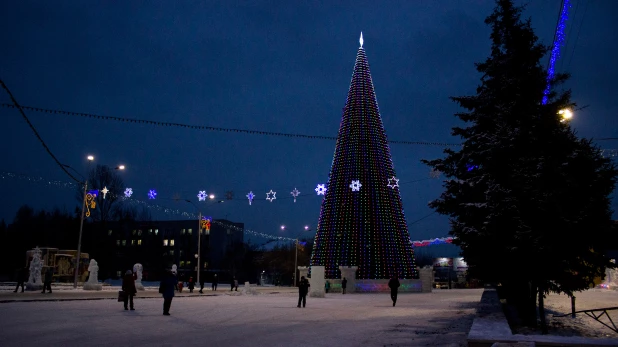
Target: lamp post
x,y
566,115
296,258
81,222
199,234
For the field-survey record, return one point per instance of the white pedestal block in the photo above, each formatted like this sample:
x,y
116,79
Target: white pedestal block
x,y
92,286
349,272
317,282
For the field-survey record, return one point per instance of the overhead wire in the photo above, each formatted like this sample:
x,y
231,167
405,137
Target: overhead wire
x,y
36,133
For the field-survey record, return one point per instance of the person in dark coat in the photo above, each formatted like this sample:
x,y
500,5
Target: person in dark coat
x,y
234,283
22,276
344,285
191,285
49,276
201,282
394,284
215,280
128,287
303,289
168,284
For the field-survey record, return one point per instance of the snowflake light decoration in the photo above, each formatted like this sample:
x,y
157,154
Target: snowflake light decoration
x,y
321,189
152,194
269,197
356,186
250,196
201,196
128,192
295,193
104,191
393,182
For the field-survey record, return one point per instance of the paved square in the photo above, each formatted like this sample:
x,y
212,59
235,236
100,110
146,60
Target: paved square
x,y
441,318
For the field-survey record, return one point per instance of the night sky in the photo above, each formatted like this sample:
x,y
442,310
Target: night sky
x,y
281,66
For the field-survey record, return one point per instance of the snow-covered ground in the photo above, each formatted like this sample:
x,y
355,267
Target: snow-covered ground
x,y
441,318
581,325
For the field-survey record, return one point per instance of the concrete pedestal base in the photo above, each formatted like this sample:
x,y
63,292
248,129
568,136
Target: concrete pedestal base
x,y
349,272
92,286
317,282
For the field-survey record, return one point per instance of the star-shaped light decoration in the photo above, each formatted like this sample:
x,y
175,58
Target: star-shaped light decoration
x,y
434,173
393,182
321,189
104,191
128,192
356,186
295,193
152,194
270,196
201,196
250,196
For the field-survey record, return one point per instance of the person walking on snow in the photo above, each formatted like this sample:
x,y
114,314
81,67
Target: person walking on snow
x,y
22,276
215,281
49,275
344,284
191,285
167,287
303,289
394,285
128,287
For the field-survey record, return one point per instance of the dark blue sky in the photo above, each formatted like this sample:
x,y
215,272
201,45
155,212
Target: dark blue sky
x,y
274,66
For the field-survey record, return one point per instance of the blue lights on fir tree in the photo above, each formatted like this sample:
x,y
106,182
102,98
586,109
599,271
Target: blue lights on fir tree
x,y
555,51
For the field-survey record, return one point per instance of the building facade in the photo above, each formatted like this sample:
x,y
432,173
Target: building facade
x,y
158,245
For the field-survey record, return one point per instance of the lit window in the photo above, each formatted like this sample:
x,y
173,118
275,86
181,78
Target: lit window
x,y
188,262
164,242
171,242
109,233
172,252
118,273
117,242
189,231
205,265
139,242
132,242
139,233
124,242
182,263
150,231
182,232
156,231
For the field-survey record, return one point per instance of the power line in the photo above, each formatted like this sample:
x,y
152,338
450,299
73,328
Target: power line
x,y
20,108
577,36
209,128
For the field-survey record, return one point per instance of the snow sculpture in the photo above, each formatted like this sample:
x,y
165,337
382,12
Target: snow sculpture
x,y
93,277
138,269
248,290
36,265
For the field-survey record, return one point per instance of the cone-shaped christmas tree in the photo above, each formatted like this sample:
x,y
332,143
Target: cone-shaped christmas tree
x,y
361,221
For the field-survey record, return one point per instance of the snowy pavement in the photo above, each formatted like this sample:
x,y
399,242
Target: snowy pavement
x,y
441,318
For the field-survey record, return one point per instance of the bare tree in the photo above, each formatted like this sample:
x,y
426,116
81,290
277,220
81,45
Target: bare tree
x,y
109,204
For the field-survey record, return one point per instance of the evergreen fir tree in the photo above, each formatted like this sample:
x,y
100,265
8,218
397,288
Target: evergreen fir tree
x,y
363,226
528,201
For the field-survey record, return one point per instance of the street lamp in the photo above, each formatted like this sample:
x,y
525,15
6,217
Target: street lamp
x,y
566,114
296,257
81,222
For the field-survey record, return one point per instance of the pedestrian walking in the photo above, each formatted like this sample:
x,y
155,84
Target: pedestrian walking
x,y
303,289
326,286
201,282
166,288
344,284
49,275
215,281
394,284
128,287
22,276
191,285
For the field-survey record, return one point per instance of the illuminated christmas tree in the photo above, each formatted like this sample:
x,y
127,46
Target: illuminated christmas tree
x,y
362,221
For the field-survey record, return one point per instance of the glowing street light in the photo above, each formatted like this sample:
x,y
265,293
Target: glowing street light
x,y
121,167
283,227
90,157
211,196
566,114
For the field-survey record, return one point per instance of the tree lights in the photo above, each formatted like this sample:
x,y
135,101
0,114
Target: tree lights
x,y
363,227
